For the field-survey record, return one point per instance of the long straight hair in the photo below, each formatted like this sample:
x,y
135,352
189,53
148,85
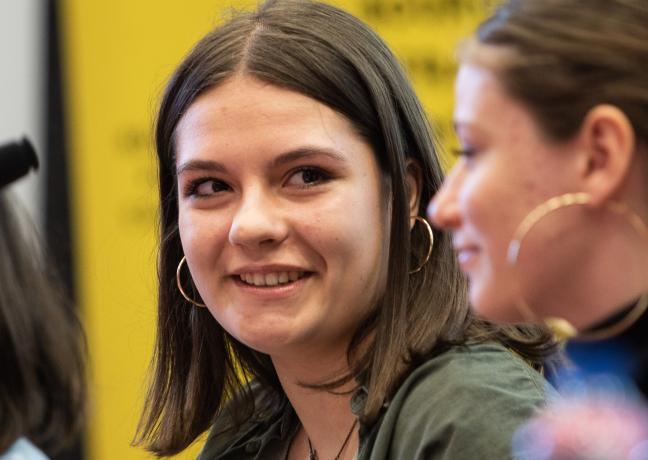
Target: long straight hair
x,y
330,56
42,347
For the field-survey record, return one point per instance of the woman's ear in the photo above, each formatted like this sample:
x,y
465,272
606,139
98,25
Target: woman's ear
x,y
608,139
413,179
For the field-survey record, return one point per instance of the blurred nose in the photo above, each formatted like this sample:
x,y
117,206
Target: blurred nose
x,y
257,222
443,210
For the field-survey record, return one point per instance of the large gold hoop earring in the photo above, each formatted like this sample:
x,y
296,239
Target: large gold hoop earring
x,y
430,246
182,291
563,329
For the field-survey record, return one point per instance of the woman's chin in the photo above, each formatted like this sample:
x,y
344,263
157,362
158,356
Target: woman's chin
x,y
268,343
494,309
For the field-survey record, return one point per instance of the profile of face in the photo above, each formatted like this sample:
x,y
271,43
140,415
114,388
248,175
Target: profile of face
x,y
282,216
506,169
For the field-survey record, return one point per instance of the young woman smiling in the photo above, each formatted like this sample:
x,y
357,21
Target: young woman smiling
x,y
305,309
548,204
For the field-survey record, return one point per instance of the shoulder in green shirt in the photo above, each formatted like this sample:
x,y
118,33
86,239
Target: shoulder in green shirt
x,y
463,404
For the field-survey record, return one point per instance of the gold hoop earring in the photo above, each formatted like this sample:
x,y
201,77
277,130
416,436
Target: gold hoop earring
x,y
563,329
430,246
182,291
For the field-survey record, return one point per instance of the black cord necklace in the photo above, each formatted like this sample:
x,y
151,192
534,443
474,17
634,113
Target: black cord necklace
x,y
312,453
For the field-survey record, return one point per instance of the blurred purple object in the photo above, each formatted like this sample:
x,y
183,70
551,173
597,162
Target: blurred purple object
x,y
593,424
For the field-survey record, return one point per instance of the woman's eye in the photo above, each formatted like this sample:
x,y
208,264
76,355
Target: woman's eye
x,y
202,188
307,177
465,152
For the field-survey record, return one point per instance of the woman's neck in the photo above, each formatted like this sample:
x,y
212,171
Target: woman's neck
x,y
326,417
607,272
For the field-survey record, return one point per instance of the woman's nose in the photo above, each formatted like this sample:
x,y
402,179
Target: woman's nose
x,y
257,222
443,210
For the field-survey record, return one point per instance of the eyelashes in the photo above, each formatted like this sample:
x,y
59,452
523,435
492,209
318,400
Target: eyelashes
x,y
200,187
304,177
310,176
466,152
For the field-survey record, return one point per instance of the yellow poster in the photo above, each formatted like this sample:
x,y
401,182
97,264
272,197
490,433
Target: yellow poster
x,y
117,58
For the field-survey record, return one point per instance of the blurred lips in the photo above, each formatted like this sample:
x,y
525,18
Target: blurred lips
x,y
466,254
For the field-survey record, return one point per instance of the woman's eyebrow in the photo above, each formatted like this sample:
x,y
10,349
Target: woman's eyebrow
x,y
201,165
307,152
283,159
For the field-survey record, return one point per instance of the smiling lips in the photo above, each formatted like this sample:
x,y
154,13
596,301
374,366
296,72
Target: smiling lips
x,y
465,255
271,279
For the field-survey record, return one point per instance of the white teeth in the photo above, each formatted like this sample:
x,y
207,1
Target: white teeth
x,y
259,279
270,279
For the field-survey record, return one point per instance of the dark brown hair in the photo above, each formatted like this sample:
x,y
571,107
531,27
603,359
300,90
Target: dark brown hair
x,y
42,348
326,54
561,58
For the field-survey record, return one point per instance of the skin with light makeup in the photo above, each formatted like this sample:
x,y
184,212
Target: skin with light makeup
x,y
277,264
506,169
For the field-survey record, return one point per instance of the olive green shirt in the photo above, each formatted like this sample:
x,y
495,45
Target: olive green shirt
x,y
464,404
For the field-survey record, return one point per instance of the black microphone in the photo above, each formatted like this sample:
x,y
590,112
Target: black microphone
x,y
16,159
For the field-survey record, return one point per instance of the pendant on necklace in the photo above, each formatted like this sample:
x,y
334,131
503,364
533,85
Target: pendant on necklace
x,y
312,453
